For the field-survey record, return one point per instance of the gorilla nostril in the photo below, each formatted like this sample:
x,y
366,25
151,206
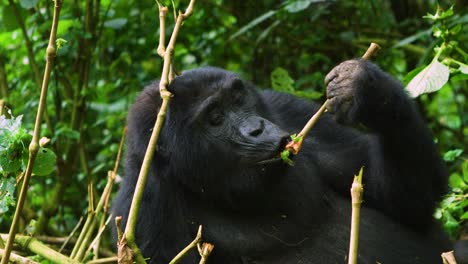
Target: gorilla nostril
x,y
256,132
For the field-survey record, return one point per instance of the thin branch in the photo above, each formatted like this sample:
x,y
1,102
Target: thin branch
x,y
34,146
295,146
103,260
128,239
205,251
356,201
71,234
162,30
190,246
18,259
37,247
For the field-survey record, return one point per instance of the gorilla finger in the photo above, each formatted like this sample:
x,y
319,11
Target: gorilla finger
x,y
331,75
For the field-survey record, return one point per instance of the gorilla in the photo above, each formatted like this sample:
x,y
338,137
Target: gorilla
x,y
216,165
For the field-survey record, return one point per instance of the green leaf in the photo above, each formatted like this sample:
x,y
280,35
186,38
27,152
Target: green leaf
x,y
464,216
28,4
45,162
253,23
451,155
116,23
285,157
7,193
281,81
456,181
430,79
412,73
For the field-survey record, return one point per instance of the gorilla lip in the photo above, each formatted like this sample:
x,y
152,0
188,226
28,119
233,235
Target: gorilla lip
x,y
276,157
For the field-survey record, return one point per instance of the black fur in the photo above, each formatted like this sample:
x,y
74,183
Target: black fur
x,y
209,170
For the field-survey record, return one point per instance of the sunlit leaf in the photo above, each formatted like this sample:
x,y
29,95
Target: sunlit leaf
x,y
430,79
451,155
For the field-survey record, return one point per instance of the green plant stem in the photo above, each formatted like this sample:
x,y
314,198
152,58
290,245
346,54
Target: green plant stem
x,y
184,251
104,260
35,246
34,146
18,259
356,201
129,234
293,146
2,106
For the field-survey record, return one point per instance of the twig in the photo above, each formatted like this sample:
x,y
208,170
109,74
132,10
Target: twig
x,y
128,239
2,106
205,252
295,146
111,175
448,258
37,247
71,234
184,251
34,146
98,236
18,259
103,260
356,201
81,245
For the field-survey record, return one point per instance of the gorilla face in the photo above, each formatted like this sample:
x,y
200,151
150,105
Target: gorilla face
x,y
224,122
230,122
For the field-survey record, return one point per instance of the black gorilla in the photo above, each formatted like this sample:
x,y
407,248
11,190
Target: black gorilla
x,y
215,166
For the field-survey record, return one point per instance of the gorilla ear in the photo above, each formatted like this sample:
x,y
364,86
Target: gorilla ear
x,y
236,84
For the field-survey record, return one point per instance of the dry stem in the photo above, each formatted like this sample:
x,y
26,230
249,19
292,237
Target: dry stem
x,y
356,201
184,251
34,146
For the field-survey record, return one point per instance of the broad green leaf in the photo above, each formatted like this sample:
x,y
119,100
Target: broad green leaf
x,y
431,79
45,162
28,4
281,81
451,155
412,73
253,23
116,23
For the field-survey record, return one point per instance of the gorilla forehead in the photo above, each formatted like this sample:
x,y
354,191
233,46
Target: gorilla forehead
x,y
201,82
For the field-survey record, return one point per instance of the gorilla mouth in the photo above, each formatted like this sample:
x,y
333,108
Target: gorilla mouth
x,y
275,155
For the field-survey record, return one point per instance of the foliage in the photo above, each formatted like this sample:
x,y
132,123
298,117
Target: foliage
x,y
435,75
108,52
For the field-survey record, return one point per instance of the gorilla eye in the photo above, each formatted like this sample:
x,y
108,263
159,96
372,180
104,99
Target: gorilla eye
x,y
215,116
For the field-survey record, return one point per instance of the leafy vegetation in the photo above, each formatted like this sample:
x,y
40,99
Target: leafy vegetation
x,y
107,52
